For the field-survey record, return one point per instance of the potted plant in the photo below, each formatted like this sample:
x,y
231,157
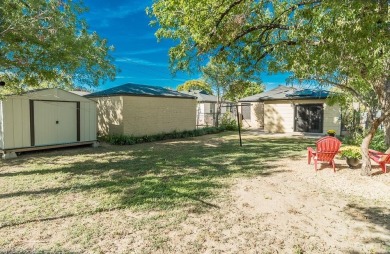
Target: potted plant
x,y
331,133
352,154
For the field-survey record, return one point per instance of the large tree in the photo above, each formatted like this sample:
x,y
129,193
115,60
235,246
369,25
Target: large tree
x,y
340,43
46,42
195,85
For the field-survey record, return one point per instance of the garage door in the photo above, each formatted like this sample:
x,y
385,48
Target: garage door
x,y
55,122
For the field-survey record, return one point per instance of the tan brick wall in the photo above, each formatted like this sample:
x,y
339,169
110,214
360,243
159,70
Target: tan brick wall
x,y
154,115
257,116
278,117
332,118
110,115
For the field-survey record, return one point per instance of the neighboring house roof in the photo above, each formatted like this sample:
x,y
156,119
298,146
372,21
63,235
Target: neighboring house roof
x,y
203,96
287,93
140,90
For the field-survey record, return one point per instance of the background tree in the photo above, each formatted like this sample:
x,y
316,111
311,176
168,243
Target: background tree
x,y
340,43
227,80
195,85
243,88
47,41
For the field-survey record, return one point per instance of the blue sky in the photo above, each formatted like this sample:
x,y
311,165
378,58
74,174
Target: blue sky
x,y
138,55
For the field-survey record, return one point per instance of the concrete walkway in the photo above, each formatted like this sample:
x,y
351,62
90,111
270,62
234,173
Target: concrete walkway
x,y
260,132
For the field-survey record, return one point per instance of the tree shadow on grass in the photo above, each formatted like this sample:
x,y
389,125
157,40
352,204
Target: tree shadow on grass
x,y
157,176
376,216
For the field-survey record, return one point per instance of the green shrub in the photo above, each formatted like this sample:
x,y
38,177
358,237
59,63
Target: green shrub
x,y
228,122
119,139
378,142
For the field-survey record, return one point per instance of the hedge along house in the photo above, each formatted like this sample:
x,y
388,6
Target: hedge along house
x,y
207,107
286,109
46,118
140,110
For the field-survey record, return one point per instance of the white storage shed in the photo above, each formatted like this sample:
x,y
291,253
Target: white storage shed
x,y
47,118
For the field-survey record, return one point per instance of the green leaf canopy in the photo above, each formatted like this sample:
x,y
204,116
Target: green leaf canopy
x,y
46,42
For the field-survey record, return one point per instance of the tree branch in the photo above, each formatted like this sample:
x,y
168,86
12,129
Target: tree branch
x,y
346,89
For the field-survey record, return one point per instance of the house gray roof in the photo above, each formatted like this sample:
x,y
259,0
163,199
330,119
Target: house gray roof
x,y
202,96
140,90
287,93
277,93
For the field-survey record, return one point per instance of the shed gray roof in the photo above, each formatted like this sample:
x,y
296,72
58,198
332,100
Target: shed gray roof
x,y
287,93
202,96
140,90
81,93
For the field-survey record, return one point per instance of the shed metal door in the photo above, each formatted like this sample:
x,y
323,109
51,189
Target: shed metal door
x,y
55,122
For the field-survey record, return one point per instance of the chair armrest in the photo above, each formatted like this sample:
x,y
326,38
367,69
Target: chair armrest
x,y
370,151
310,149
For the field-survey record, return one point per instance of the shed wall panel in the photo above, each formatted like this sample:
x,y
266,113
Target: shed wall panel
x,y
8,116
153,115
17,122
26,134
84,123
88,121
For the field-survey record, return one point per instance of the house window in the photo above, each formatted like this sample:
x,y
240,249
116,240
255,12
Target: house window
x,y
212,107
246,112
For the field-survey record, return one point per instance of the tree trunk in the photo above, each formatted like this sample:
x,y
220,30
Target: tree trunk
x,y
218,107
366,162
387,132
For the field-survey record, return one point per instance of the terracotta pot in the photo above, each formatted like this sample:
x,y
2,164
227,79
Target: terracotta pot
x,y
353,162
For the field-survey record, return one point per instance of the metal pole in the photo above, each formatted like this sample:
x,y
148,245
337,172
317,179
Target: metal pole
x,y
238,123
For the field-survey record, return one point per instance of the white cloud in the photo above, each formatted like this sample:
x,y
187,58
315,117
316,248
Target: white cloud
x,y
139,61
144,52
124,77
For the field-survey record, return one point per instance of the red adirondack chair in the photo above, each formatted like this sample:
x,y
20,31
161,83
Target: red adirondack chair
x,y
381,158
326,149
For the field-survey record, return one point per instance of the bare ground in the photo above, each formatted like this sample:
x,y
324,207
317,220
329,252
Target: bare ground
x,y
290,209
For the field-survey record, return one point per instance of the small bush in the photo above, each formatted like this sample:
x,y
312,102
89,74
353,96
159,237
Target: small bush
x,y
119,139
331,132
378,142
229,122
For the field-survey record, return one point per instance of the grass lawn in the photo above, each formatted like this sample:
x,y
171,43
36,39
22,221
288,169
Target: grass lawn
x,y
130,198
